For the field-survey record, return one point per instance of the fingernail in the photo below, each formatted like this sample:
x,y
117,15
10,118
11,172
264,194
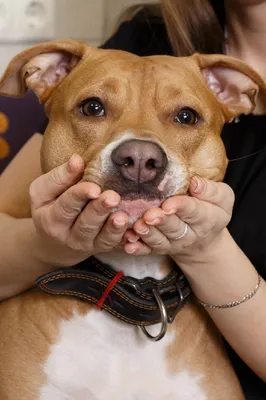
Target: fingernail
x,y
93,195
111,203
130,251
119,223
133,239
196,185
153,222
74,163
170,212
144,231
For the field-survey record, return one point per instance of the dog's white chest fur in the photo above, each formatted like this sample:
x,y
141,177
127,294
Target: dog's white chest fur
x,y
98,357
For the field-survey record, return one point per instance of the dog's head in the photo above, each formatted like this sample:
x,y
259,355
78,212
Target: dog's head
x,y
143,126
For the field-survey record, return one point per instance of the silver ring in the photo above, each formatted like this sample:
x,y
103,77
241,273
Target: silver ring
x,y
164,319
183,234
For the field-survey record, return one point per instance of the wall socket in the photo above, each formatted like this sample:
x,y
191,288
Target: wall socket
x,y
27,20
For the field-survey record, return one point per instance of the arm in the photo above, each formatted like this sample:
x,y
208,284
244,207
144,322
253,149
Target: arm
x,y
222,275
217,269
19,265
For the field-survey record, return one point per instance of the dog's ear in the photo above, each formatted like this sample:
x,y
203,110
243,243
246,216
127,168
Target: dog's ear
x,y
42,68
234,83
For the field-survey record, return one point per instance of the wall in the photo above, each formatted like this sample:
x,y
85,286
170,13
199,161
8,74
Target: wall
x,y
89,20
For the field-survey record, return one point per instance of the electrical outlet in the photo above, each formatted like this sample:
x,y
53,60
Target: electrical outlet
x,y
34,20
6,20
27,20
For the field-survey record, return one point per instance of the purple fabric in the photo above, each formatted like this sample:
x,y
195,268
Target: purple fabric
x,y
26,117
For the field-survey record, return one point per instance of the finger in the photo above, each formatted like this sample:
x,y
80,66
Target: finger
x,y
52,184
137,249
151,236
90,221
70,204
112,232
217,193
201,216
187,208
130,236
170,226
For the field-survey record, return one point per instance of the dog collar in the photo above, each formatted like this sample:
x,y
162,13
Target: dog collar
x,y
141,302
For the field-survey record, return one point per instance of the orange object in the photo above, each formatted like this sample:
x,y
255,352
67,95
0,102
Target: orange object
x,y
4,146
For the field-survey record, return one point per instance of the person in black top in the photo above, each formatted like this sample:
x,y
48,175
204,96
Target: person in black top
x,y
245,139
227,275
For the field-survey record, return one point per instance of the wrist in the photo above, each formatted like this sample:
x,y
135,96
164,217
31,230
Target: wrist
x,y
205,253
221,274
54,254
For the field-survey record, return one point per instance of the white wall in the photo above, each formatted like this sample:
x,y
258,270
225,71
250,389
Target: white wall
x,y
89,20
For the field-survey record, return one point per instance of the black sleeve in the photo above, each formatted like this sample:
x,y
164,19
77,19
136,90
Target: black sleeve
x,y
143,36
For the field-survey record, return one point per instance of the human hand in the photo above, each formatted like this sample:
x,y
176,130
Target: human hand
x,y
74,220
206,212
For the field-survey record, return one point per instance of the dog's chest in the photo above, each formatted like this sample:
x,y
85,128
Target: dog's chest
x,y
98,357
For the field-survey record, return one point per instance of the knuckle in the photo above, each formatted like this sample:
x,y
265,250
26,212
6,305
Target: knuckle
x,y
46,226
87,230
162,251
225,221
51,229
174,231
98,208
214,191
65,210
74,194
230,195
195,211
33,192
56,177
203,232
222,192
104,243
75,245
159,243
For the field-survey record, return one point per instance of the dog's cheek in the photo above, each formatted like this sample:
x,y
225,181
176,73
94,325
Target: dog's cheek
x,y
209,161
54,152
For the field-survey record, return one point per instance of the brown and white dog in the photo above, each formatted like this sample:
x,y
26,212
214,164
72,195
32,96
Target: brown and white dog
x,y
164,115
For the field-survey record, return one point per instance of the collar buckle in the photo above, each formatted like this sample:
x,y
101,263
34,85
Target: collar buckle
x,y
164,317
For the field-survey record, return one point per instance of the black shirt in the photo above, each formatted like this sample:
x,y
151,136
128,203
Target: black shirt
x,y
245,142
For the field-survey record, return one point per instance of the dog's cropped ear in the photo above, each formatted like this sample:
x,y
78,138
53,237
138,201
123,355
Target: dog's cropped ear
x,y
234,83
41,68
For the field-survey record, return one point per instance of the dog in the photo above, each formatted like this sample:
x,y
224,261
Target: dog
x,y
143,126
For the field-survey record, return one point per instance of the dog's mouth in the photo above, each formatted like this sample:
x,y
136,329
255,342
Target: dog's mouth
x,y
136,199
136,208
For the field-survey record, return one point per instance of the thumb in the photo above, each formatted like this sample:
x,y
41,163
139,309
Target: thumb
x,y
52,184
217,193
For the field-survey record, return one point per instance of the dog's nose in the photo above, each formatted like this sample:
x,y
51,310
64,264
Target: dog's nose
x,y
139,161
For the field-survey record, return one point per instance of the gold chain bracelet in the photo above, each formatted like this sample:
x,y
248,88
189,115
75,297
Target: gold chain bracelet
x,y
234,303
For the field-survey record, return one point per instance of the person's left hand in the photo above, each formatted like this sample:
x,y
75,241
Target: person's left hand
x,y
183,224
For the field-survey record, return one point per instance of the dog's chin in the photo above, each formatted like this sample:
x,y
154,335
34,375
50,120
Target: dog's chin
x,y
136,208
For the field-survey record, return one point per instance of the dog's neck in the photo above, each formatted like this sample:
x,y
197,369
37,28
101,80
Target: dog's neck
x,y
157,267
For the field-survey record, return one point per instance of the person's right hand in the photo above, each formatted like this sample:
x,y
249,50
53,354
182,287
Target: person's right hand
x,y
70,226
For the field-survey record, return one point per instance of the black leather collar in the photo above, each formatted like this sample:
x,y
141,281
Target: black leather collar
x,y
132,300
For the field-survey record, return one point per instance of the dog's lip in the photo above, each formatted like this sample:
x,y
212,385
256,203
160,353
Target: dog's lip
x,y
132,196
135,208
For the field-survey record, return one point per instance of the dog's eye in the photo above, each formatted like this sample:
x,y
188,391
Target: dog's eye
x,y
92,108
187,116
